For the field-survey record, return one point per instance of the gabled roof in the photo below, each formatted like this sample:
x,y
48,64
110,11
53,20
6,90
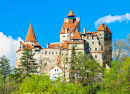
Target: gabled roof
x,y
70,26
104,27
30,35
65,45
71,14
76,35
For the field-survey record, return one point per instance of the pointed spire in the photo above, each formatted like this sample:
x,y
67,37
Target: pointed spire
x,y
71,14
30,35
76,35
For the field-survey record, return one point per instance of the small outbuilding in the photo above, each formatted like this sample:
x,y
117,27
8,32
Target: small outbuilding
x,y
55,73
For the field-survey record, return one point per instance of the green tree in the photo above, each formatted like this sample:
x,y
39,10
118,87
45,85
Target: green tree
x,y
72,65
27,62
5,68
117,81
89,71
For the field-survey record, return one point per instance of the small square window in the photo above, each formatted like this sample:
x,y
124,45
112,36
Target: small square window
x,y
92,42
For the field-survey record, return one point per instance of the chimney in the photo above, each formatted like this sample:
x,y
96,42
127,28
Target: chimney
x,y
47,45
84,29
82,37
21,45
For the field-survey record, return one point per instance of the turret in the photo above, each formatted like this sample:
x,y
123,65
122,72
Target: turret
x,y
71,17
30,38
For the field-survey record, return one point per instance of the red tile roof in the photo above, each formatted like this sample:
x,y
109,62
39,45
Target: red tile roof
x,y
76,41
76,35
70,26
94,33
56,45
104,27
71,14
26,46
37,44
88,32
52,46
65,45
30,35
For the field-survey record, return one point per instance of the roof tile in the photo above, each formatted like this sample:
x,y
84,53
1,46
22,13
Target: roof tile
x,y
31,35
104,27
76,35
70,26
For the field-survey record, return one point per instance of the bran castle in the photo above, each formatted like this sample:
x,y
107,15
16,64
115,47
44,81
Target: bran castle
x,y
90,43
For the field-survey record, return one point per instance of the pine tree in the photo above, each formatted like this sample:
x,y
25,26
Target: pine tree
x,y
27,62
72,65
5,68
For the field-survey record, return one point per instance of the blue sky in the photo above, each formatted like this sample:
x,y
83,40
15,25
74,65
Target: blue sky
x,y
48,16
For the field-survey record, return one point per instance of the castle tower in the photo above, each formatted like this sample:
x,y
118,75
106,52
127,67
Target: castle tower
x,y
105,36
69,27
30,38
71,17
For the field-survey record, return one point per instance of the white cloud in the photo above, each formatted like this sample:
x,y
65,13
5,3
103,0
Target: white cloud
x,y
8,47
110,19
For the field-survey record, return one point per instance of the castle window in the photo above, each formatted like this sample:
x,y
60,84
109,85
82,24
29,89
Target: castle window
x,y
52,52
95,49
49,52
87,37
32,44
63,36
92,42
100,34
90,49
37,51
99,43
92,37
55,69
42,52
56,52
95,56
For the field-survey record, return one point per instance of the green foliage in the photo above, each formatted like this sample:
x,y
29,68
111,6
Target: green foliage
x,y
27,62
43,85
5,68
72,65
117,79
